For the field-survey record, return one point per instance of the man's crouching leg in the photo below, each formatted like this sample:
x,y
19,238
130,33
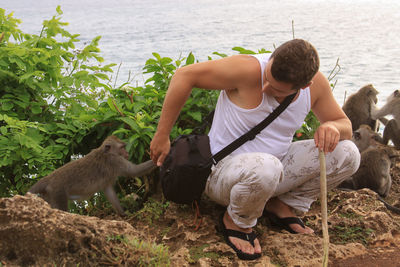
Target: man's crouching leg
x,y
244,183
301,184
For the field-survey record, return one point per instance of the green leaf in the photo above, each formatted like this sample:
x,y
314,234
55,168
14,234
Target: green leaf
x,y
134,126
63,141
102,76
241,50
190,59
157,56
219,54
3,130
7,106
151,61
58,9
166,60
35,108
195,115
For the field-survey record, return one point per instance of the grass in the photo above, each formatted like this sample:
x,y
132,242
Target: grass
x,y
198,252
136,252
152,210
275,258
350,215
349,234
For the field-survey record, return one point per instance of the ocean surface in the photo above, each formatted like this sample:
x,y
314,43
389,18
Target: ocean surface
x,y
362,35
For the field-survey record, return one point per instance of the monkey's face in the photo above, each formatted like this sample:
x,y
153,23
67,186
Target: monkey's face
x,y
356,136
391,97
363,137
115,146
122,151
372,93
396,94
357,139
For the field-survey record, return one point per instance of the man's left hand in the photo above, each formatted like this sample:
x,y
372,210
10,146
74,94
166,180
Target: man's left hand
x,y
327,137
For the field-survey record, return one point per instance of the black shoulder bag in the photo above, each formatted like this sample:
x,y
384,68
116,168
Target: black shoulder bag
x,y
185,170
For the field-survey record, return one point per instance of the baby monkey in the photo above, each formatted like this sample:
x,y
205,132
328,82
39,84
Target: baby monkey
x,y
97,171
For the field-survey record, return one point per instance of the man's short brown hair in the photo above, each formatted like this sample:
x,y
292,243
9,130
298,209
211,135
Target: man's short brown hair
x,y
295,62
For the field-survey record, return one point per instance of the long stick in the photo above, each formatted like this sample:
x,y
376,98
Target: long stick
x,y
324,209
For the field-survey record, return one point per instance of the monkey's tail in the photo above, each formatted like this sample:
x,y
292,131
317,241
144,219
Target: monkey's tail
x,y
389,207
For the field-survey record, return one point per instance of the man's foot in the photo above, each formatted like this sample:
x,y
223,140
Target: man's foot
x,y
242,240
285,217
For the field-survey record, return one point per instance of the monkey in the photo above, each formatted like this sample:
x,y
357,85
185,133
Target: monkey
x,y
97,171
391,107
392,127
364,137
392,132
374,170
359,105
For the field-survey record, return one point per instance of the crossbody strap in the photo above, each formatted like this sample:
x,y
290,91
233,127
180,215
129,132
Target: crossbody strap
x,y
251,134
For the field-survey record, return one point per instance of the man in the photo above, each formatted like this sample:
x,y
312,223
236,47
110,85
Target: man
x,y
268,174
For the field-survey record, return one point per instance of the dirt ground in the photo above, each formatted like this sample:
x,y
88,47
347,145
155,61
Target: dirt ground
x,y
362,233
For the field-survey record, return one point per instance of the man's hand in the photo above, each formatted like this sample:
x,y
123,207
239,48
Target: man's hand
x,y
327,137
159,148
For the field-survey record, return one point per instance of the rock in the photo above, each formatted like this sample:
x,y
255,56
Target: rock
x,y
31,233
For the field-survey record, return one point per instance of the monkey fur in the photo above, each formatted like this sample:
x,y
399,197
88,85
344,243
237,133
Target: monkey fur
x,y
359,105
97,171
374,170
392,127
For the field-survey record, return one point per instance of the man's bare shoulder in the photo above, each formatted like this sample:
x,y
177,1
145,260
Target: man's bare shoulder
x,y
247,69
320,88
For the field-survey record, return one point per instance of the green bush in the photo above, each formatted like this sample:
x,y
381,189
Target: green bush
x,y
46,87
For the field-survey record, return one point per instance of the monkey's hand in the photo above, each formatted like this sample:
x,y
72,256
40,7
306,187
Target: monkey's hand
x,y
327,136
159,148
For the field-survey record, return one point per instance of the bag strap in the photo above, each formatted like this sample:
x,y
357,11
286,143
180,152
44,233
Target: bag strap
x,y
251,134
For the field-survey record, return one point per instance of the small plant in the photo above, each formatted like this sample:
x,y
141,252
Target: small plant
x,y
135,252
348,234
195,253
275,259
152,210
350,215
308,128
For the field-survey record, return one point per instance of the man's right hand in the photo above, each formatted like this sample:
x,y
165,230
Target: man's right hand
x,y
159,148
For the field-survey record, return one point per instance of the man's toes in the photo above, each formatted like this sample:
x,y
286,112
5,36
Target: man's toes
x,y
248,248
257,247
237,243
297,228
309,230
244,246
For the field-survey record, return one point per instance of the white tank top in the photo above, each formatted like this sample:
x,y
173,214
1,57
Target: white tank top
x,y
231,121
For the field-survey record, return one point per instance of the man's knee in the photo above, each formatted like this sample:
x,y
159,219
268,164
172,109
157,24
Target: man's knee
x,y
349,156
264,174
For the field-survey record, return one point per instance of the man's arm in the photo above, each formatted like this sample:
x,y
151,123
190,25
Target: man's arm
x,y
226,73
335,125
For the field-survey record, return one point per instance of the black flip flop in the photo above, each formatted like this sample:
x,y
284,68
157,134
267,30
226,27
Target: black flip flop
x,y
284,222
233,233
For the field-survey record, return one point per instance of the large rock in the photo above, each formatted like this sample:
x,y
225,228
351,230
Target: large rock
x,y
31,233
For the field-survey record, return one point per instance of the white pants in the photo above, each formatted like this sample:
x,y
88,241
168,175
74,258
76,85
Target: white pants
x,y
246,181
